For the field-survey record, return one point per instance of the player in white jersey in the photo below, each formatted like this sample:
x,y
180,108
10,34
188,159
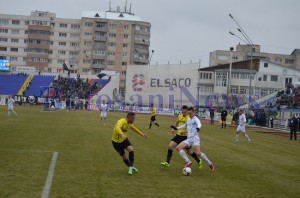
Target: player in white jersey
x,y
192,126
242,127
10,105
103,111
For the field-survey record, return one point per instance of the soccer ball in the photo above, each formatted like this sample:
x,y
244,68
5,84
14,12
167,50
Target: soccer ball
x,y
187,171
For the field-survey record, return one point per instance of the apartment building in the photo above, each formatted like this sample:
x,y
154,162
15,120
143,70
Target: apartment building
x,y
98,41
243,52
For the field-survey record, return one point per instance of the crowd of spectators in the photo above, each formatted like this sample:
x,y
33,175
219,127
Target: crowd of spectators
x,y
289,97
71,87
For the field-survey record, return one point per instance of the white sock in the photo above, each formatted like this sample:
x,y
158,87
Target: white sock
x,y
183,155
237,137
15,113
203,156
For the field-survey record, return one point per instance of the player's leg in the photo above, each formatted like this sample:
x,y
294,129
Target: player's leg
x,y
195,156
119,148
295,135
222,123
104,118
171,147
197,150
291,134
181,152
150,125
246,136
237,134
131,160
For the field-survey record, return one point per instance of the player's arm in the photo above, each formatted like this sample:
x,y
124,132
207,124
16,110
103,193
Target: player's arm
x,y
119,130
138,131
180,127
198,123
176,124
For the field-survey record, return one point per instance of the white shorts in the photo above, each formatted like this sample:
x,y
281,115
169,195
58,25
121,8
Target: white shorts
x,y
103,114
10,108
241,128
192,142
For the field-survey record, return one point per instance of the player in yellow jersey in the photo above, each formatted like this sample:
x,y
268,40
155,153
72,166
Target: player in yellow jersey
x,y
152,118
180,136
121,143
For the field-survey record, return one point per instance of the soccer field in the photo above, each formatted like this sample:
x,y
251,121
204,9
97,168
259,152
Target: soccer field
x,y
88,166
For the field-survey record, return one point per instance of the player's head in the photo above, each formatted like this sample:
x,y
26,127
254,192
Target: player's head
x,y
240,111
130,117
191,111
103,101
184,110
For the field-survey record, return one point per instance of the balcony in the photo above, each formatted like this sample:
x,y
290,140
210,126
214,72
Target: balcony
x,y
142,61
99,56
100,38
101,29
142,32
143,42
98,66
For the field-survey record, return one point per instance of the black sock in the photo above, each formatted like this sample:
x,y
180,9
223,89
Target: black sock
x,y
169,156
126,162
225,125
150,126
195,157
222,125
156,124
131,158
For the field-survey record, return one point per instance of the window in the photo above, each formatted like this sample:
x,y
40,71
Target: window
x,y
88,24
86,70
265,77
111,63
274,78
244,90
235,75
100,34
100,44
124,53
110,53
3,40
15,31
74,53
62,43
74,26
13,58
278,60
15,22
60,61
3,49
289,61
86,61
40,23
137,27
98,52
245,76
72,35
26,22
98,61
63,25
266,64
126,27
112,26
123,72
73,63
205,75
62,52
111,44
221,79
124,63
14,40
4,22
126,36
72,44
113,35
125,45
87,43
100,25
62,34
88,33
52,25
235,58
3,30
234,89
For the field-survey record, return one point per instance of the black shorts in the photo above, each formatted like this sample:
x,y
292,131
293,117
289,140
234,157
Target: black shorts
x,y
152,118
120,147
178,139
223,119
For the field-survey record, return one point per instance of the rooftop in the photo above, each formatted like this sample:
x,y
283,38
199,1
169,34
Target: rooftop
x,y
110,15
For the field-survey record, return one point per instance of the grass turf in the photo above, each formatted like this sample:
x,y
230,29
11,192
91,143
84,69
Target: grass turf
x,y
88,166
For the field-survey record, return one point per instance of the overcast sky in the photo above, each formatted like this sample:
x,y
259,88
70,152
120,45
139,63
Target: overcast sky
x,y
185,30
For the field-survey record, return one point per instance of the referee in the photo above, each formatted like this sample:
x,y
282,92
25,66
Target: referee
x,y
121,143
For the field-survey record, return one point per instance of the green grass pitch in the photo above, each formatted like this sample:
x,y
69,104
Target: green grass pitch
x,y
88,166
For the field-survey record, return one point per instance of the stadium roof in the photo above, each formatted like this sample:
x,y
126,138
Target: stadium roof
x,y
246,64
110,15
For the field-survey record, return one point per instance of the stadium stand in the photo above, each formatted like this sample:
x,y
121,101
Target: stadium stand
x,y
11,84
290,97
38,81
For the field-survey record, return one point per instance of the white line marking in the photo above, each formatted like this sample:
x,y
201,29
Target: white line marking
x,y
48,182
